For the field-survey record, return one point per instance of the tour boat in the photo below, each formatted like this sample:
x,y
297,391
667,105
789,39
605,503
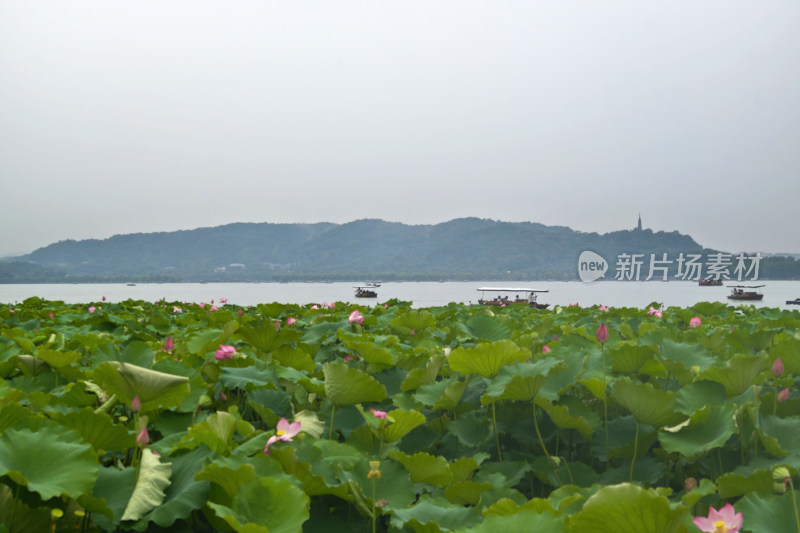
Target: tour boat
x,y
738,293
528,298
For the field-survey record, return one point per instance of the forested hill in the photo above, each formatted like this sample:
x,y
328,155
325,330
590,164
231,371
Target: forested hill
x,y
468,248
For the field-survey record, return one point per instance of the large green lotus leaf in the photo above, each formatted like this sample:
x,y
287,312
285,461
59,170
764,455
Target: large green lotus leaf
x,y
267,337
483,326
393,485
350,386
57,359
229,477
52,461
788,349
414,319
136,353
523,521
216,432
444,394
628,357
471,429
18,516
369,349
156,390
739,373
466,492
317,476
463,467
487,359
571,414
679,356
707,428
11,413
649,405
786,431
425,468
767,513
292,357
404,423
435,516
520,381
184,494
316,333
250,377
627,508
98,429
149,490
110,495
268,505
744,481
417,377
697,395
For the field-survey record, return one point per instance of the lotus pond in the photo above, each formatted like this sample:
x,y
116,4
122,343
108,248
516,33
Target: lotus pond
x,y
140,416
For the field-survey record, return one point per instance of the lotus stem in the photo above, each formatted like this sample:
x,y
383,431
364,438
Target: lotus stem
x,y
635,450
496,434
330,431
605,401
541,443
794,505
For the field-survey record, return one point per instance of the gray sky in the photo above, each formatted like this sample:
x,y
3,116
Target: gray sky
x,y
127,117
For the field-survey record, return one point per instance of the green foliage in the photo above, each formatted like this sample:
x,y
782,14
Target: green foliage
x,y
458,385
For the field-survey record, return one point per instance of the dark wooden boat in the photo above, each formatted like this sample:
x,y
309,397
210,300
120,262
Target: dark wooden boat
x,y
796,301
739,293
529,297
365,292
709,282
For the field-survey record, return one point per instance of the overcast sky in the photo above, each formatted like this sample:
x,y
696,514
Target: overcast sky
x,y
127,117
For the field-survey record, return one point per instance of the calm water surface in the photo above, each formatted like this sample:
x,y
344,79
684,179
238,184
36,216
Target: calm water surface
x,y
421,294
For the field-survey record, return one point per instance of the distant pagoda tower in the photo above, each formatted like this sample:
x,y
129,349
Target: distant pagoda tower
x,y
639,225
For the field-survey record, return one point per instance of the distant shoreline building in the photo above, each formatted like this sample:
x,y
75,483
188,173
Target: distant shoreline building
x,y
639,225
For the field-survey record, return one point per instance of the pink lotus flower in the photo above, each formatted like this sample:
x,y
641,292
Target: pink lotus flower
x,y
223,397
695,322
104,298
378,414
315,306
574,305
331,305
11,311
413,332
348,358
783,395
169,345
654,312
545,349
277,324
143,438
92,309
49,316
602,333
356,317
223,300
224,353
239,312
136,404
214,308
202,305
291,320
286,432
777,367
603,308
726,520
176,309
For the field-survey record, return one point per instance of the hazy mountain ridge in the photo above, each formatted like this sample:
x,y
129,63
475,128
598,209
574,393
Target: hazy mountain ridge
x,y
466,248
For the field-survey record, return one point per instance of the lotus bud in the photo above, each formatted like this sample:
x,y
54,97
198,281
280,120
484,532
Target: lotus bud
x,y
143,438
690,483
136,404
602,333
783,395
777,367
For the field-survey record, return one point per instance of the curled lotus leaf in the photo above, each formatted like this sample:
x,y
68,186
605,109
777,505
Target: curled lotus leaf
x,y
487,359
155,389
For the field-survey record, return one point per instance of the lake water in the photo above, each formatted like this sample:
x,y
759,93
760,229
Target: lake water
x,y
421,294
